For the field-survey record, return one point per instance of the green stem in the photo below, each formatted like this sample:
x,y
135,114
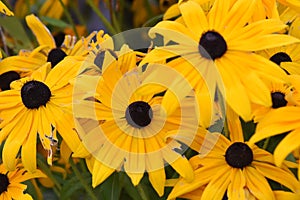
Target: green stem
x,y
148,8
68,15
222,104
142,192
56,191
82,181
75,8
45,168
113,17
266,143
106,23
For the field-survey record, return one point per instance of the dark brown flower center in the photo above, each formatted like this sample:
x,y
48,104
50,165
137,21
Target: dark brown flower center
x,y
6,78
35,94
4,182
239,155
212,45
278,99
280,57
139,114
55,56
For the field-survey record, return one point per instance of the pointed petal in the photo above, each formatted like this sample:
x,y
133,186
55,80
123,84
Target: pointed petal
x,y
40,31
157,179
135,177
100,173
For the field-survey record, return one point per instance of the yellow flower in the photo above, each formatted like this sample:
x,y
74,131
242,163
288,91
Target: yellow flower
x,y
287,57
220,46
281,94
132,131
11,187
282,120
234,168
263,9
22,65
38,106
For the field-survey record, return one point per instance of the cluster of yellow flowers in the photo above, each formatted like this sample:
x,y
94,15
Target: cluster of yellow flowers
x,y
185,100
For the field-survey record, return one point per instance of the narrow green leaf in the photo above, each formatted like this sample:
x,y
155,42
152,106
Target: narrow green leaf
x,y
54,22
15,29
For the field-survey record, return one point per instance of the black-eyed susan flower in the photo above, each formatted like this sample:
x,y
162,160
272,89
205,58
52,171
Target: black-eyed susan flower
x,y
37,106
22,65
129,131
11,186
221,44
281,94
287,57
50,51
234,169
282,120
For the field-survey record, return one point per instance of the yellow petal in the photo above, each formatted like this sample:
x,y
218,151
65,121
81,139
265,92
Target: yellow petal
x,y
283,195
5,10
217,186
157,179
279,175
15,140
193,17
237,184
135,177
100,173
217,12
257,184
273,123
28,152
239,14
181,165
40,31
235,93
286,146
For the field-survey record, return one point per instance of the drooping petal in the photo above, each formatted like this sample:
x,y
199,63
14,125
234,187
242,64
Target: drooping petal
x,y
279,175
286,146
157,179
40,31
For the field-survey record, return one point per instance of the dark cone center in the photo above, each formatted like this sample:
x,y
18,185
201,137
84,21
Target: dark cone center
x,y
55,56
280,57
278,100
212,45
139,114
35,94
4,182
239,155
6,78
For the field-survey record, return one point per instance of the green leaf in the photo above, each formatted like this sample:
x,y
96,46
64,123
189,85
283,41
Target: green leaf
x,y
111,188
54,22
72,186
128,188
15,29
